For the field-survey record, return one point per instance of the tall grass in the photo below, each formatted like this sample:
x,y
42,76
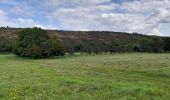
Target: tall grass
x,y
138,76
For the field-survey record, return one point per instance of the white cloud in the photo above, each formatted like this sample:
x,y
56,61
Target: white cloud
x,y
21,11
25,22
71,3
2,13
20,22
10,2
31,23
4,19
45,27
143,16
138,6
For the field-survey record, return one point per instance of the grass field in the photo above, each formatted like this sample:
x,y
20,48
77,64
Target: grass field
x,y
102,77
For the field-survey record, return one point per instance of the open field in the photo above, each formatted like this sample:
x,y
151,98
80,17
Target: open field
x,y
137,76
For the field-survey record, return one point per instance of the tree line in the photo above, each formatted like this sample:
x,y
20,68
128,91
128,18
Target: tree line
x,y
150,45
36,43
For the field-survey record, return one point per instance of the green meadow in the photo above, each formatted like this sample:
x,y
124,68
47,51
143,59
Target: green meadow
x,y
138,76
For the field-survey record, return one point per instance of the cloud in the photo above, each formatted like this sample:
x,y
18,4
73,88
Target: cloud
x,y
2,13
7,21
9,2
30,23
73,3
80,17
4,19
22,11
144,6
143,16
20,22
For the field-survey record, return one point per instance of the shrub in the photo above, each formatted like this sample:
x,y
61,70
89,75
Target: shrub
x,y
35,43
56,47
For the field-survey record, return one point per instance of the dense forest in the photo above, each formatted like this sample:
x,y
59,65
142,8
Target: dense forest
x,y
94,42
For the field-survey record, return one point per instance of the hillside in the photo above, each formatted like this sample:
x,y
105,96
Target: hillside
x,y
93,41
77,35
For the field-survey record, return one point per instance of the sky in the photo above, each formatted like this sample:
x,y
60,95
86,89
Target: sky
x,y
151,17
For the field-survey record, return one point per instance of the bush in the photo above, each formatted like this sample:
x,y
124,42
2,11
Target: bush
x,y
35,43
57,48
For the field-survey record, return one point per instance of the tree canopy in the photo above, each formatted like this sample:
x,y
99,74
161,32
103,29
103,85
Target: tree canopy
x,y
36,43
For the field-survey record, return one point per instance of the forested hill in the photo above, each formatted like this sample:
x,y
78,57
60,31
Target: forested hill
x,y
98,39
103,36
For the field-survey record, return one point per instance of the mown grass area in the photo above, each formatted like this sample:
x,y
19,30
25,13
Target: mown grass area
x,y
136,76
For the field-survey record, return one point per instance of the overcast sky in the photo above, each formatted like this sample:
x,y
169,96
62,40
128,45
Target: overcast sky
x,y
142,16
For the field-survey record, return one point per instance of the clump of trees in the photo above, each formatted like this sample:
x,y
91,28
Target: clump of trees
x,y
155,45
36,43
151,44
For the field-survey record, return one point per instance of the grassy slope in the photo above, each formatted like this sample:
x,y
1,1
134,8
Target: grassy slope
x,y
101,77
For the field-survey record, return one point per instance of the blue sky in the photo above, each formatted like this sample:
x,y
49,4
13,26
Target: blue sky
x,y
143,16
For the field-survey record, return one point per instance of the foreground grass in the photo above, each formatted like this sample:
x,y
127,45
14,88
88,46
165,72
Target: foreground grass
x,y
101,77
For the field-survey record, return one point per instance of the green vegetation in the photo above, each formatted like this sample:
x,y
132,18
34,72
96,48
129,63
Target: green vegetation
x,y
92,42
35,43
101,77
144,44
6,45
